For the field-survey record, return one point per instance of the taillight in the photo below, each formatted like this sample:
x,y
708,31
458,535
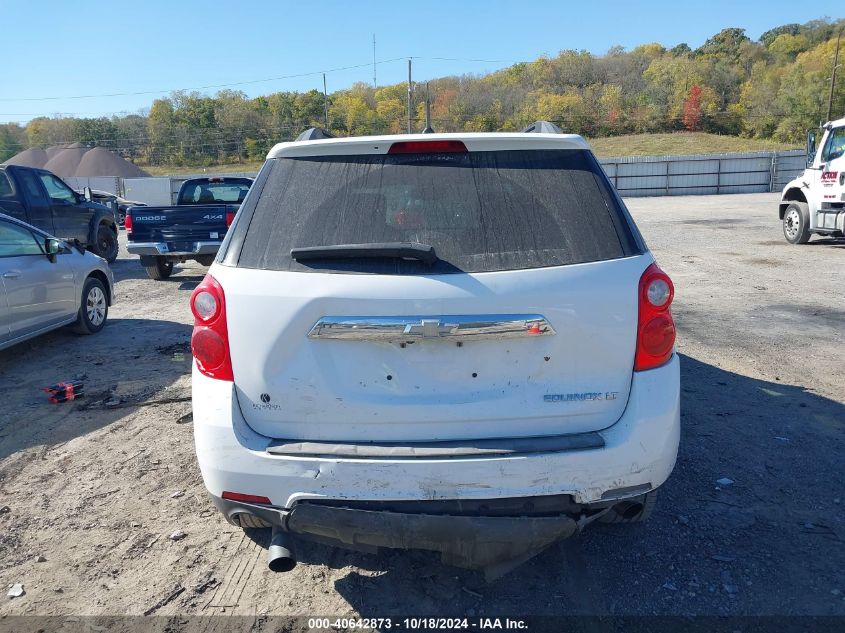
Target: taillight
x,y
127,223
655,327
427,147
230,217
210,340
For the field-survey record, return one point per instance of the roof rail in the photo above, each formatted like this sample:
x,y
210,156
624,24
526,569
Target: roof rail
x,y
543,127
313,134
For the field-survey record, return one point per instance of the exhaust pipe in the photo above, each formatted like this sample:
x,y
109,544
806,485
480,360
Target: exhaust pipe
x,y
280,554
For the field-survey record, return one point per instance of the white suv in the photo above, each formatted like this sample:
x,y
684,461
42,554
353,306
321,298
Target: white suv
x,y
453,342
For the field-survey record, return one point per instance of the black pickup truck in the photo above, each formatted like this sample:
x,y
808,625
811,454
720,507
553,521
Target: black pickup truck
x,y
193,229
42,199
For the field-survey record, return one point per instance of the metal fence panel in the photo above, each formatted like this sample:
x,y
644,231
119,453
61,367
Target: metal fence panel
x,y
646,182
757,178
747,164
152,191
109,184
789,165
745,189
749,172
641,169
641,193
689,167
693,191
794,163
694,180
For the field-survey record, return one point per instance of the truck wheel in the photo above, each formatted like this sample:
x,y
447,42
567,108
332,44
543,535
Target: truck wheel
x,y
632,510
796,223
106,246
94,309
161,270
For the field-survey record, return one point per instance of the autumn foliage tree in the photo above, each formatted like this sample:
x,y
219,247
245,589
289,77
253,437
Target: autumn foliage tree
x,y
692,109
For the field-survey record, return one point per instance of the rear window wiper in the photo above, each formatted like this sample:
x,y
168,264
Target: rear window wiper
x,y
400,250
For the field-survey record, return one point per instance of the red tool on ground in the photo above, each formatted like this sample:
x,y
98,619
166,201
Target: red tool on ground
x,y
65,391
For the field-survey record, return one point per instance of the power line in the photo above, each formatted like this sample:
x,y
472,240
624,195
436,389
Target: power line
x,y
374,63
208,87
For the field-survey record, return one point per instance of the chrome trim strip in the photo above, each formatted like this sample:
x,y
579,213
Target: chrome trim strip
x,y
414,328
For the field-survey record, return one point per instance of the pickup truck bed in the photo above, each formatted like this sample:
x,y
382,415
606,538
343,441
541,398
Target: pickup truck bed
x,y
178,231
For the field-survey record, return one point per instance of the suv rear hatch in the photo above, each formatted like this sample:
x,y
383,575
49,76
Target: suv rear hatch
x,y
524,325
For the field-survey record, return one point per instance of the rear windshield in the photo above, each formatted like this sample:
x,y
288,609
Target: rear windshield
x,y
230,190
481,211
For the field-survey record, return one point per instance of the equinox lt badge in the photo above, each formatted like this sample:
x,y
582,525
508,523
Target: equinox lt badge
x,y
580,397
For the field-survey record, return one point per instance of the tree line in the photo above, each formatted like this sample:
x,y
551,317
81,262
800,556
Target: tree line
x,y
774,88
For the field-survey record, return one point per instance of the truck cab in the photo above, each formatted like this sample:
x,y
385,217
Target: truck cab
x,y
42,199
814,203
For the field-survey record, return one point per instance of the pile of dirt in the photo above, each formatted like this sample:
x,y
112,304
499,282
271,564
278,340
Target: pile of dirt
x,y
101,162
52,151
78,161
65,162
32,157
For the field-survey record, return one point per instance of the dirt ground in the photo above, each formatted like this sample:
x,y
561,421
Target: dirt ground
x,y
91,491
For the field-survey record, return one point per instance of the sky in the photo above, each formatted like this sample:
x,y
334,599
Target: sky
x,y
59,51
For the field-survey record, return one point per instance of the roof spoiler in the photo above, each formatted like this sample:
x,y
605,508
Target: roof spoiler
x,y
543,127
313,134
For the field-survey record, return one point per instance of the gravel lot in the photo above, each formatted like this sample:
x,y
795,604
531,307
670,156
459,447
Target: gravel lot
x,y
97,487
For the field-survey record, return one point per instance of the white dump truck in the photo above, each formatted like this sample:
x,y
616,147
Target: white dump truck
x,y
815,201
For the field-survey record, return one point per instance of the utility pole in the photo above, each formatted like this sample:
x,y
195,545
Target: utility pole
x,y
410,97
833,76
428,129
374,60
326,101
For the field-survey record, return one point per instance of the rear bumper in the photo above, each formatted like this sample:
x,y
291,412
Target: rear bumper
x,y
168,248
471,540
639,453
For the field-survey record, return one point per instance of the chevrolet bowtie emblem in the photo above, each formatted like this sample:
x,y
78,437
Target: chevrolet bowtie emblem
x,y
430,328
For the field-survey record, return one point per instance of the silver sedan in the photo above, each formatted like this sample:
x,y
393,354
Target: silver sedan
x,y
46,283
